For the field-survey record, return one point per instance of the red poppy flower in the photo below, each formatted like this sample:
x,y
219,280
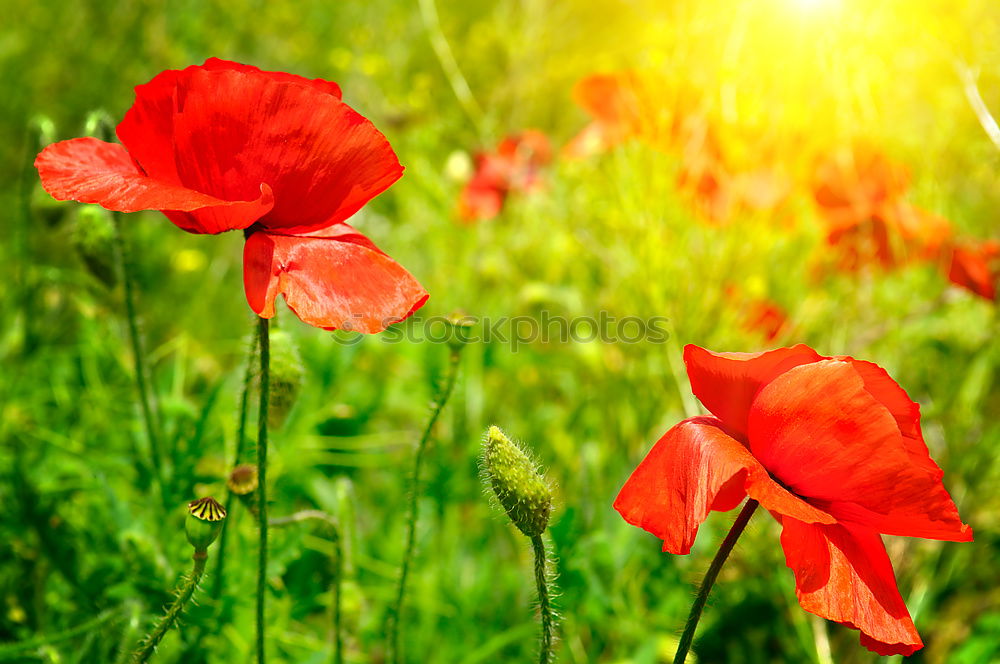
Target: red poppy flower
x,y
225,146
832,448
515,166
976,268
859,193
631,104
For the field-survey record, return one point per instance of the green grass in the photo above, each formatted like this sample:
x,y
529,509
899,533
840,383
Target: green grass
x,y
86,542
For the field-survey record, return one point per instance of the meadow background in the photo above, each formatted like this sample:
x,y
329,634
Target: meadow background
x,y
85,542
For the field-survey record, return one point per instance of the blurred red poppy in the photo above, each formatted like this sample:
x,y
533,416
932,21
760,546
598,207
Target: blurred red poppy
x,y
225,146
976,268
612,100
515,166
860,195
832,447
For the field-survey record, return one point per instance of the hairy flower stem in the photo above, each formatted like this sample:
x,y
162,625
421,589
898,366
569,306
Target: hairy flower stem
x,y
265,389
411,521
544,606
713,571
139,357
241,436
184,594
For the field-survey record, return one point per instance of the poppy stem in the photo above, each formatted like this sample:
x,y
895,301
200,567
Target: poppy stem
x,y
265,389
141,370
241,436
713,571
544,605
411,521
163,625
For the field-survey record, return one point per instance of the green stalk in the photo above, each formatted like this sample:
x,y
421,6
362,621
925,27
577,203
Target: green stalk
x,y
265,388
188,586
241,435
446,58
411,522
139,357
544,605
713,572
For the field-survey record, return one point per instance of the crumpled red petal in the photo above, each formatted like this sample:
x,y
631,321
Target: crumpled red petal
x,y
334,279
726,383
202,128
819,431
93,171
694,468
844,574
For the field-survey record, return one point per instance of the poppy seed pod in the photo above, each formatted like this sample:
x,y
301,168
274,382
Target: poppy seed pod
x,y
204,522
286,377
521,489
243,482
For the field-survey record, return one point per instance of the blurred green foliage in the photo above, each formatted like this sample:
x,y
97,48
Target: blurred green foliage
x,y
87,543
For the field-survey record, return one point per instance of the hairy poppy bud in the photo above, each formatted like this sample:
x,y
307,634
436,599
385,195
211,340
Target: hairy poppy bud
x,y
286,377
460,325
521,489
204,522
93,237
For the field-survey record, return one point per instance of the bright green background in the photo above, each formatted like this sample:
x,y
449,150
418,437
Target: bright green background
x,y
81,535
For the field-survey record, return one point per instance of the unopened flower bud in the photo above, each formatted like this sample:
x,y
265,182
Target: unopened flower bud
x,y
521,489
93,237
204,522
460,325
286,377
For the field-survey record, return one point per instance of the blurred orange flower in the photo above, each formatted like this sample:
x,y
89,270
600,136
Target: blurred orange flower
x,y
976,268
860,196
515,166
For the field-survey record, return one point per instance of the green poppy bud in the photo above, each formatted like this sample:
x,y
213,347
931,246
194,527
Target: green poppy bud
x,y
286,377
204,522
93,237
461,326
522,491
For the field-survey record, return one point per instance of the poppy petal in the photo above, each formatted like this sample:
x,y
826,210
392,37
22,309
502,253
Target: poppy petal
x,y
329,87
819,431
93,171
323,160
201,127
726,383
970,268
148,126
333,279
844,574
697,467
